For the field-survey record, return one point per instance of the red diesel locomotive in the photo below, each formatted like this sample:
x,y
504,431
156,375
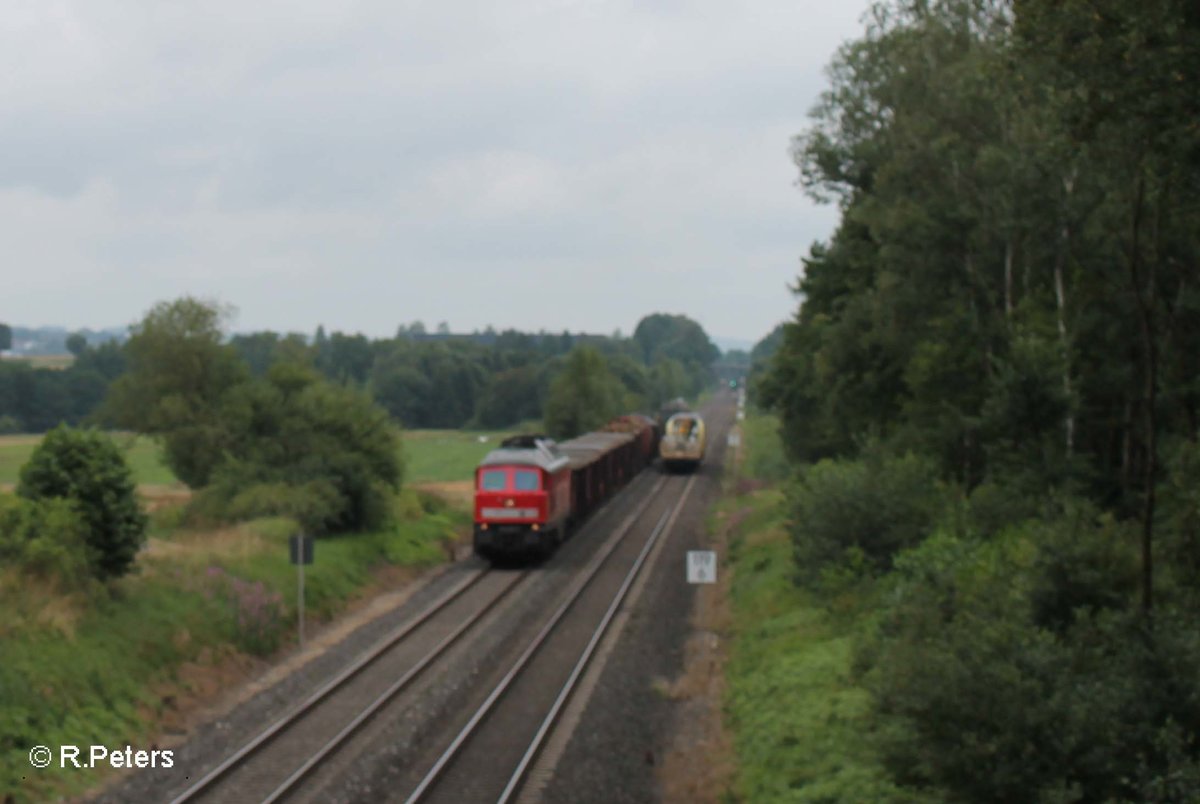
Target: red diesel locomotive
x,y
530,490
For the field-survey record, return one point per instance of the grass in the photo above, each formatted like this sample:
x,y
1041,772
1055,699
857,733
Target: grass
x,y
801,721
444,456
96,665
101,664
764,457
431,456
141,452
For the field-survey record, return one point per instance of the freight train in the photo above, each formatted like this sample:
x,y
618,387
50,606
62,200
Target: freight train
x,y
530,491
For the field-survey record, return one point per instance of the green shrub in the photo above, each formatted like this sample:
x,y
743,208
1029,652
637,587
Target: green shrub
x,y
992,507
1180,540
85,467
878,505
321,454
309,504
1085,564
45,538
1017,668
765,458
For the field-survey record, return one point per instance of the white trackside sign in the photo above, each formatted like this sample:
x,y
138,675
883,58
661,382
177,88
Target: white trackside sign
x,y
701,566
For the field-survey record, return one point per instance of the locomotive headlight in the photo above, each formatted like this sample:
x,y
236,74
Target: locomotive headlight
x,y
536,526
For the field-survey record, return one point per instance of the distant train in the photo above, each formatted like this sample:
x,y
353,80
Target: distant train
x,y
531,490
683,440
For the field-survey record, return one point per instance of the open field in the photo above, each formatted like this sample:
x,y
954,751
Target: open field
x,y
431,456
445,456
44,361
141,452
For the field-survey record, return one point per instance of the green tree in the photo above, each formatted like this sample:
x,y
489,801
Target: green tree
x,y
5,337
677,337
321,453
260,349
46,539
1010,296
346,358
77,343
180,371
85,467
583,396
510,397
106,360
668,381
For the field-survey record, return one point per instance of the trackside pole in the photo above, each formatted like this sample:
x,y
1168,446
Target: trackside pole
x,y
300,599
300,551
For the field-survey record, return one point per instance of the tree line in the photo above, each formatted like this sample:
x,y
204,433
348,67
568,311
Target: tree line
x,y
423,380
991,389
263,425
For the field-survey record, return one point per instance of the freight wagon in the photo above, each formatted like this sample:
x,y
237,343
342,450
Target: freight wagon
x,y
532,490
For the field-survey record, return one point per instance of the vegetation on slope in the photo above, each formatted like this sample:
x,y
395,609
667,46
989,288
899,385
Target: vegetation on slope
x,y
989,395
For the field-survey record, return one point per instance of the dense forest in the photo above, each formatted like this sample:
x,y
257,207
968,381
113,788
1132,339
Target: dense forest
x,y
423,379
991,391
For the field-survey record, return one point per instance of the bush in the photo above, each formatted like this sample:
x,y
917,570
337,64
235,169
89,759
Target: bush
x,y
877,506
1086,564
85,467
47,539
1017,668
324,455
310,504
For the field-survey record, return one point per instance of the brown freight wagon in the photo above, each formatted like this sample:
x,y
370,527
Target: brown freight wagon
x,y
600,464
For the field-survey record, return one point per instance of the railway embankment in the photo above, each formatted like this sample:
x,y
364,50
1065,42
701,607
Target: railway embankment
x,y
799,718
208,618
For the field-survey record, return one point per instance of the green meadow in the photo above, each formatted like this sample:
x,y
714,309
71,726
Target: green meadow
x,y
430,456
445,456
141,452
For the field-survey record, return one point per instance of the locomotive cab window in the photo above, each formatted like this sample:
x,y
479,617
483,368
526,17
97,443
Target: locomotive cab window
x,y
493,480
525,480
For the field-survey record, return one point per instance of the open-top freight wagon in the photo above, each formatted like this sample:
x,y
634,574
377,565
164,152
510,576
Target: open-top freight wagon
x,y
530,491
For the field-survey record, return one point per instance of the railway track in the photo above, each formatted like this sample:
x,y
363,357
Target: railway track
x,y
267,767
489,757
274,765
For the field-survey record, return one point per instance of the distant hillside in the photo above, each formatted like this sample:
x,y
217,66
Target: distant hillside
x,y
34,341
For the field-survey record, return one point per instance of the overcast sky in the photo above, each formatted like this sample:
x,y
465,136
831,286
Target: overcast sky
x,y
554,164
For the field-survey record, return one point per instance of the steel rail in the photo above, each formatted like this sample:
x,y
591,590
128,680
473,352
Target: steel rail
x,y
384,697
263,738
576,592
535,745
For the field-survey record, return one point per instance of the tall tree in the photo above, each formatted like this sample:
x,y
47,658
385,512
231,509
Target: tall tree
x,y
584,396
180,371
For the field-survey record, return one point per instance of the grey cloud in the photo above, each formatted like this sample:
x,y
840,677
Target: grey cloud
x,y
375,162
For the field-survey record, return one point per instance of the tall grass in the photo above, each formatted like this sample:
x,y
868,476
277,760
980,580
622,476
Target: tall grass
x,y
800,719
92,666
